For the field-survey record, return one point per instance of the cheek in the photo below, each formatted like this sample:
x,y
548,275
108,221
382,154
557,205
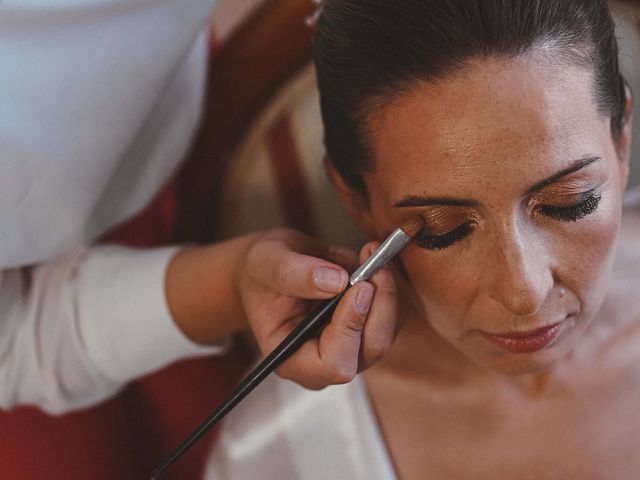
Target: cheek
x,y
586,252
445,286
581,256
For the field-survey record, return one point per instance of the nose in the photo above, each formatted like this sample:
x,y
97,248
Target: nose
x,y
521,274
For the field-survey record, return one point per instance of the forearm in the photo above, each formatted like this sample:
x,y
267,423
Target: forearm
x,y
75,329
202,290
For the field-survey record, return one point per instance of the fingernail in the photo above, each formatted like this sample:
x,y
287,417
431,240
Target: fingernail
x,y
330,280
363,298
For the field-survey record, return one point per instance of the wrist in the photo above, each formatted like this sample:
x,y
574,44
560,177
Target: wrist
x,y
203,290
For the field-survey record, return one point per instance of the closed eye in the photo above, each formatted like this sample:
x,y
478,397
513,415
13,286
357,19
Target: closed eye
x,y
440,242
572,213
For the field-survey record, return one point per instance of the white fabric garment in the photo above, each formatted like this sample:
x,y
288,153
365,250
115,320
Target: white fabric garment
x,y
282,431
99,100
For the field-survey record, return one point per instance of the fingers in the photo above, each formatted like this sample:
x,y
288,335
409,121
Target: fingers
x,y
333,358
286,266
380,327
361,331
340,342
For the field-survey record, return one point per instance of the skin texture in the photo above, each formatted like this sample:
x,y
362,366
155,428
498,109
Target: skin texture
x,y
451,403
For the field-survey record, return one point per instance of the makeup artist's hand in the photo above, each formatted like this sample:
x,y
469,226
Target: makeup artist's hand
x,y
282,272
267,282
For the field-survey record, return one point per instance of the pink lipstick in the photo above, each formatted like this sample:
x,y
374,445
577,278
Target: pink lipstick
x,y
524,342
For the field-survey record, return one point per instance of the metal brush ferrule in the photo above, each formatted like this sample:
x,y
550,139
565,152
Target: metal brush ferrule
x,y
381,256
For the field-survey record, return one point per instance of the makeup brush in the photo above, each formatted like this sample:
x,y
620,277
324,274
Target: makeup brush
x,y
307,328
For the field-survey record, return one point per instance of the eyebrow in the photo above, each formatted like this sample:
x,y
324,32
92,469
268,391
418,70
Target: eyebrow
x,y
574,167
417,201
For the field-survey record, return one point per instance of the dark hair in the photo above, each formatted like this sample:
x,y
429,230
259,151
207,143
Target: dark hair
x,y
367,51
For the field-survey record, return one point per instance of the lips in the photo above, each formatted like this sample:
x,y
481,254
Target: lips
x,y
525,342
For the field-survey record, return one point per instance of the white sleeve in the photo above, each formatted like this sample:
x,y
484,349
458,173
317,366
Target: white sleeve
x,y
75,330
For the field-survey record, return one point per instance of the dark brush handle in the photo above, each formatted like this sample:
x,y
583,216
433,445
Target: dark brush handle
x,y
307,328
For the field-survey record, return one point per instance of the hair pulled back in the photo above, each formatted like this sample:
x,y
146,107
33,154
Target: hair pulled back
x,y
369,51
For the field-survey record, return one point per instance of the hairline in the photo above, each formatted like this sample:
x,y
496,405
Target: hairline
x,y
377,104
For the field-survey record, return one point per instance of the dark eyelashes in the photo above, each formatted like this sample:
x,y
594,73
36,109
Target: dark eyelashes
x,y
572,213
440,242
589,204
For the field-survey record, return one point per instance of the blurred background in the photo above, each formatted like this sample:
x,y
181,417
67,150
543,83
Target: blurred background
x,y
228,14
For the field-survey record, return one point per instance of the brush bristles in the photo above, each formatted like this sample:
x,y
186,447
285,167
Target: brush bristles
x,y
413,226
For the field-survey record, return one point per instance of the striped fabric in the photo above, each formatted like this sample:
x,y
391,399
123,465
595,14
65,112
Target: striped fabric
x,y
278,177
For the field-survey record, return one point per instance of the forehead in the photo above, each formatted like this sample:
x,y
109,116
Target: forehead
x,y
512,119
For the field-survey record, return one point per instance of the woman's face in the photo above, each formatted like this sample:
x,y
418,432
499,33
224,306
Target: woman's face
x,y
520,183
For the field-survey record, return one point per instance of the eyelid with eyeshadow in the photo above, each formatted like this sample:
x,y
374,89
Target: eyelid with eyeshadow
x,y
440,242
566,194
442,220
445,226
566,190
586,204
